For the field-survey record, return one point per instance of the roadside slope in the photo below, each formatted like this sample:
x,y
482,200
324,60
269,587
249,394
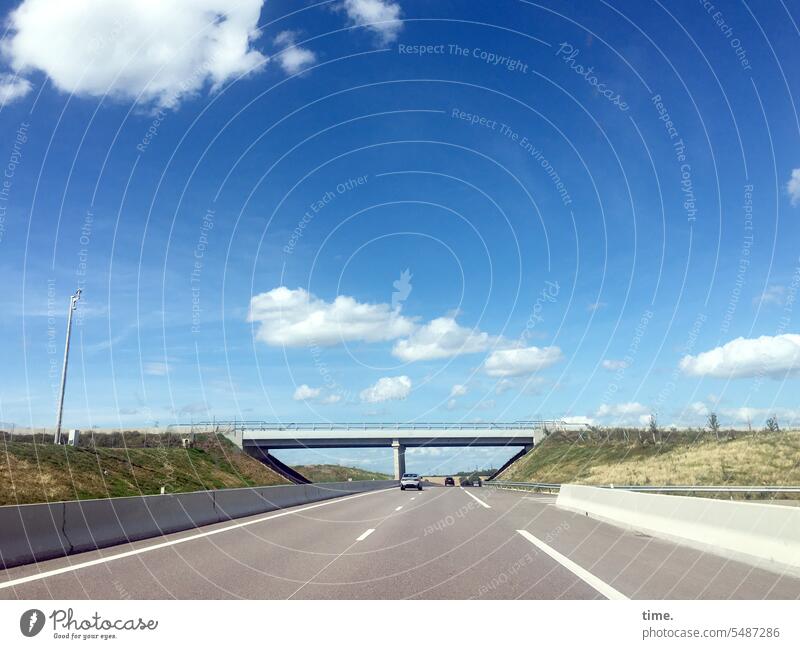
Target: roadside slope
x,y
336,473
682,458
32,473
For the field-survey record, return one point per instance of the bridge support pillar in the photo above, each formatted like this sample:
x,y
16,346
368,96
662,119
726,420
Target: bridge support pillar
x,y
399,452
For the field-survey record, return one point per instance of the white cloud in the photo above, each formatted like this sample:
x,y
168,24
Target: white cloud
x,y
793,187
13,88
579,420
388,388
294,318
503,386
305,393
747,357
161,51
380,16
771,295
698,408
156,369
458,390
293,58
614,365
624,410
523,360
442,338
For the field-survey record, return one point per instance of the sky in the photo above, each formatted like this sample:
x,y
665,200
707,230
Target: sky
x,y
400,211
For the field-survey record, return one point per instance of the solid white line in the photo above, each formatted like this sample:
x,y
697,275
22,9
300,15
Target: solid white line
x,y
397,509
365,534
414,498
476,498
165,544
595,582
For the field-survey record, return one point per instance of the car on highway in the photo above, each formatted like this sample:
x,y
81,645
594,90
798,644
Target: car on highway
x,y
471,481
449,482
411,481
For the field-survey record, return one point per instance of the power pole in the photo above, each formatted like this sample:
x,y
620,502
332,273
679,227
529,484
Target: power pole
x,y
73,304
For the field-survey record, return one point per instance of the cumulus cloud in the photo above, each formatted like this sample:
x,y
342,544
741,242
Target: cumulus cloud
x,y
442,338
793,187
503,386
613,365
294,317
292,57
12,88
156,51
458,390
522,360
380,16
623,410
304,393
388,388
747,357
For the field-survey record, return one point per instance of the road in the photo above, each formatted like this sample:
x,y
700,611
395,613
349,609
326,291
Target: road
x,y
449,543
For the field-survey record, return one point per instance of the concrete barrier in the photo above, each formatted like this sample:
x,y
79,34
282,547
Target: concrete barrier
x,y
92,524
760,534
30,533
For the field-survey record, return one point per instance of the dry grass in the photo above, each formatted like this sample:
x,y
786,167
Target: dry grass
x,y
685,459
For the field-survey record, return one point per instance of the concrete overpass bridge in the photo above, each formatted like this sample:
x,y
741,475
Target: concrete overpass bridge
x,y
259,438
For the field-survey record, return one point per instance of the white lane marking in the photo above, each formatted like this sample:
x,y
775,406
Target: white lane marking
x,y
397,509
366,534
595,582
165,544
476,498
413,498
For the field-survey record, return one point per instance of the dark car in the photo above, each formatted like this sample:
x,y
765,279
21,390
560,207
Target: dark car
x,y
449,482
471,481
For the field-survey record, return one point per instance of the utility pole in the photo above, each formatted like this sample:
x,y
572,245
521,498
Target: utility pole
x,y
73,304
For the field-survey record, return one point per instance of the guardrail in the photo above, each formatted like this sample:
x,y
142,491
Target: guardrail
x,y
651,488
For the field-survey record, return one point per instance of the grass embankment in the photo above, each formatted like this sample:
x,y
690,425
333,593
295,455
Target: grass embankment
x,y
38,472
336,473
682,458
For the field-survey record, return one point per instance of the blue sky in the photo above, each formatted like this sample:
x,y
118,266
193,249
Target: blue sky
x,y
378,210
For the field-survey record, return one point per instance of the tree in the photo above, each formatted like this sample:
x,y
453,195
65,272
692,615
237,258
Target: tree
x,y
652,426
713,424
772,424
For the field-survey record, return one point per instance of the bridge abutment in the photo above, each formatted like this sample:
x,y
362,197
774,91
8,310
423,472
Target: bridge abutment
x,y
399,452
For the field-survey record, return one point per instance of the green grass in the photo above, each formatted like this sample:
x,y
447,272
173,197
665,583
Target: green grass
x,y
336,473
32,473
682,458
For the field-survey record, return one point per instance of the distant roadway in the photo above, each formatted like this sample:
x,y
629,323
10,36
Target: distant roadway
x,y
442,542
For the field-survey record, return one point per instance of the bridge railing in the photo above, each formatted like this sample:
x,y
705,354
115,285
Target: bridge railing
x,y
684,489
331,426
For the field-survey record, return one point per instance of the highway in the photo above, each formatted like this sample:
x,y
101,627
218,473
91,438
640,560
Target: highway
x,y
440,543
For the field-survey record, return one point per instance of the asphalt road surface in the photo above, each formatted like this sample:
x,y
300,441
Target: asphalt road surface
x,y
443,542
